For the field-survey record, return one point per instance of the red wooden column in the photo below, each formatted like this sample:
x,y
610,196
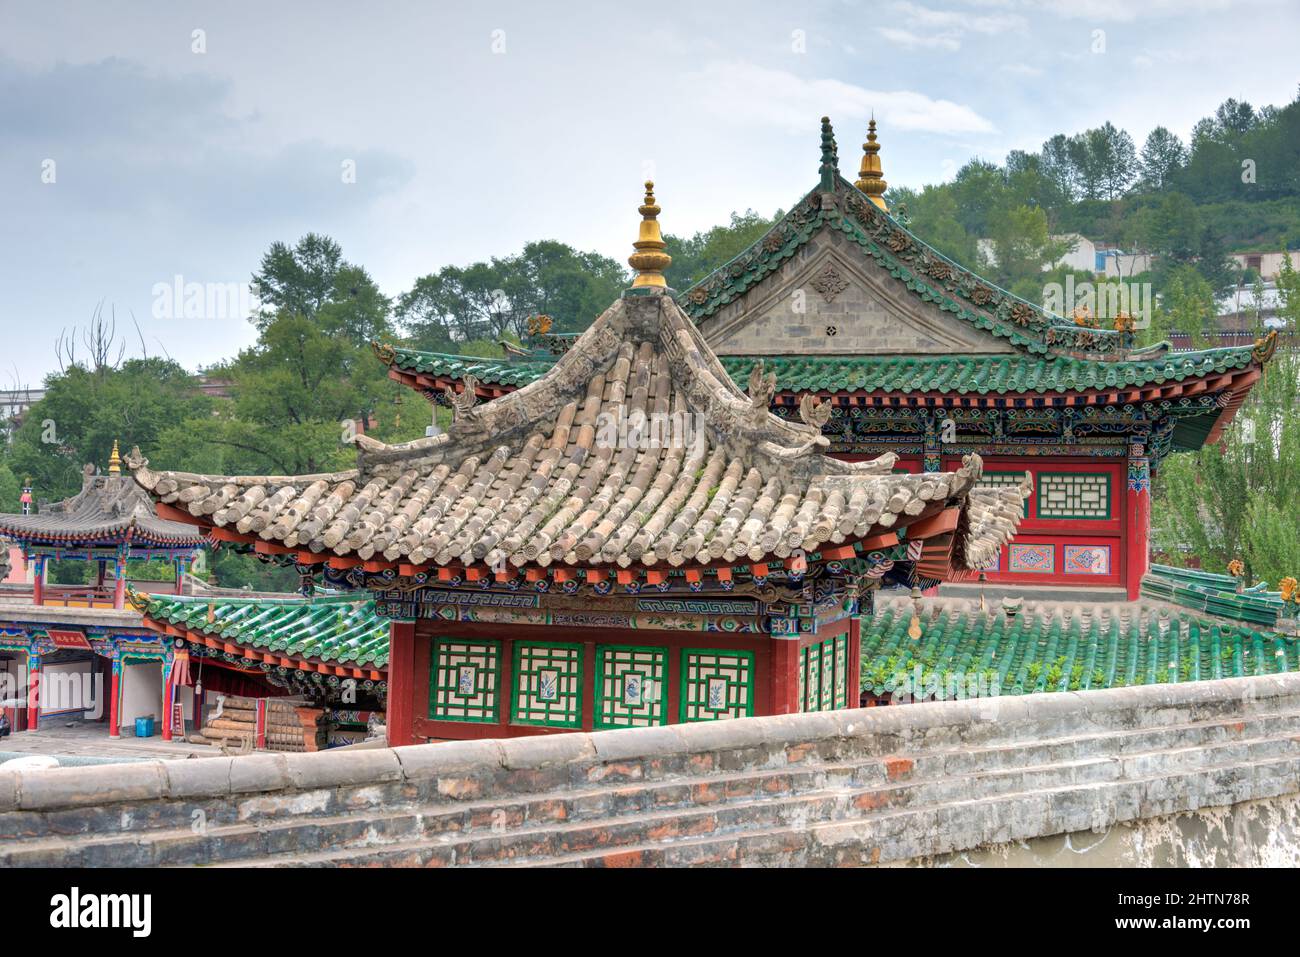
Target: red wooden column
x,y
784,676
401,683
38,580
33,691
114,696
119,586
855,660
1137,518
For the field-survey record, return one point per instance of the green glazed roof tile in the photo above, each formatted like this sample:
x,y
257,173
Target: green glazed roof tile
x,y
1054,647
337,628
1214,594
967,374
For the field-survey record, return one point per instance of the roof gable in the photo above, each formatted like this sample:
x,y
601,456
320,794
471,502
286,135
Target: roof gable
x,y
909,271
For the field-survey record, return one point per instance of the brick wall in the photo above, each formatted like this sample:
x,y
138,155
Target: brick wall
x,y
847,787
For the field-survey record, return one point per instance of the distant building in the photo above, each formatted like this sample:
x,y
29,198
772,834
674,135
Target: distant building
x,y
1084,255
1267,265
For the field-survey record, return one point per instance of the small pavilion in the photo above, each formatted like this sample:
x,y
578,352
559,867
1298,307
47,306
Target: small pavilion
x,y
630,540
63,646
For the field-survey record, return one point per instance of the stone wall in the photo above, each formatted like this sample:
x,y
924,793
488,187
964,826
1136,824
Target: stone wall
x,y
896,784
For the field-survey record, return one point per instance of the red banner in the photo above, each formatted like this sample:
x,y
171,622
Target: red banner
x,y
68,639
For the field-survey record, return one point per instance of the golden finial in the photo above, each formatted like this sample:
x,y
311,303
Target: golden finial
x,y
870,179
649,260
114,461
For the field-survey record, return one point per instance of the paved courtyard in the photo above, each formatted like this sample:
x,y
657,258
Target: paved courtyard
x,y
91,741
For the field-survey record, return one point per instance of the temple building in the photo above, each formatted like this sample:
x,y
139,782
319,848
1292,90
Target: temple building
x,y
64,648
630,539
915,354
320,662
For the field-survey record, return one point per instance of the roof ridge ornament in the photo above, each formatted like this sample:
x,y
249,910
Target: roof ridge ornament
x,y
649,260
115,461
830,165
870,177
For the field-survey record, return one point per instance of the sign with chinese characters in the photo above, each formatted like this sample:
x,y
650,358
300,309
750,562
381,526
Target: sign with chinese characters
x,y
69,639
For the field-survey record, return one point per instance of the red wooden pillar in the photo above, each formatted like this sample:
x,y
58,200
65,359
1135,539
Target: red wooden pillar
x,y
855,660
784,657
33,691
119,586
38,580
401,683
114,696
588,686
1137,519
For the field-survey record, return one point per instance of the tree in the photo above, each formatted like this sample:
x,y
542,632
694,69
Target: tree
x,y
1112,159
1186,305
1213,263
934,219
1023,249
1236,499
83,412
1058,165
313,281
1163,156
696,256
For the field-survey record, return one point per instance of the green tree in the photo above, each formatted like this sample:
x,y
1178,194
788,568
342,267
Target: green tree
x,y
1236,499
1163,156
312,280
84,411
696,256
934,217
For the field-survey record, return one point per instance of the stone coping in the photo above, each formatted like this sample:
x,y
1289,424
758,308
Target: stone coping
x,y
59,614
916,726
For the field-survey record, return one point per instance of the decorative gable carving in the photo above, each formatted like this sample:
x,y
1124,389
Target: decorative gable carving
x,y
828,301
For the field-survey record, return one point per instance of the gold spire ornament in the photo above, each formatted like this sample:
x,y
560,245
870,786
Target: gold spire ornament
x,y
649,260
870,178
114,461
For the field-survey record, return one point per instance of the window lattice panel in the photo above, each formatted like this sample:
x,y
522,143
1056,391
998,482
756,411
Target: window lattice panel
x,y
464,680
823,675
631,686
717,684
1074,495
548,684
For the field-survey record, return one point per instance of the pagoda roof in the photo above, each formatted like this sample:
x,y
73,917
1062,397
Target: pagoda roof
x,y
1064,646
109,509
1002,345
335,630
559,472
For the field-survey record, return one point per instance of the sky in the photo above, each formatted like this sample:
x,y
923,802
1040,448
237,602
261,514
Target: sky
x,y
151,145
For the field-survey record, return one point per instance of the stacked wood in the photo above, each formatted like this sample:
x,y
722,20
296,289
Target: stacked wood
x,y
290,725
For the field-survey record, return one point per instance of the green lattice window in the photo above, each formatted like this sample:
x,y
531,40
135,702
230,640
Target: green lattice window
x,y
631,686
547,684
1084,495
716,684
823,675
463,681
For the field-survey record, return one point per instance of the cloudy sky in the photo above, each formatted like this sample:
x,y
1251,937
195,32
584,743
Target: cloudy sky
x,y
142,141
